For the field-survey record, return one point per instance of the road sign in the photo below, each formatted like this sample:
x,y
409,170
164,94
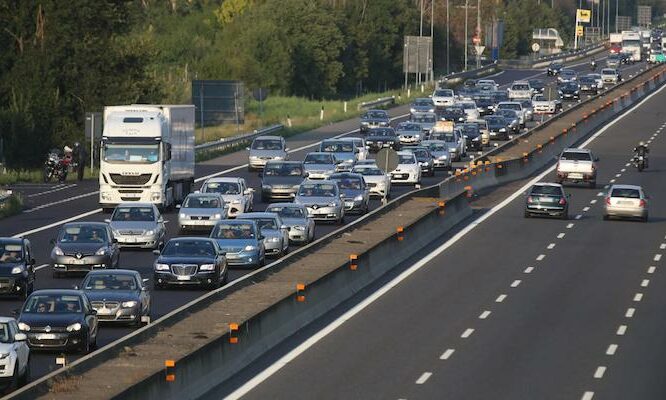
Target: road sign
x,y
583,15
536,47
479,49
579,30
387,160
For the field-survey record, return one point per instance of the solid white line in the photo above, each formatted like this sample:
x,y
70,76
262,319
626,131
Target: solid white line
x,y
541,257
500,298
623,170
612,181
645,283
621,330
528,270
599,373
279,364
561,235
64,221
551,246
447,354
651,270
484,314
612,348
423,378
587,396
515,283
570,225
638,297
657,257
468,332
37,268
630,312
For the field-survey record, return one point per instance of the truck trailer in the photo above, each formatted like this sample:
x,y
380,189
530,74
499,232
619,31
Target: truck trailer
x,y
632,45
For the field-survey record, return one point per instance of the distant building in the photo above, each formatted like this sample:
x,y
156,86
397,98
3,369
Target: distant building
x,y
549,40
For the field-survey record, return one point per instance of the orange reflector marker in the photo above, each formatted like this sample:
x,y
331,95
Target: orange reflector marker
x,y
499,165
170,373
400,229
169,363
170,377
353,257
300,286
233,329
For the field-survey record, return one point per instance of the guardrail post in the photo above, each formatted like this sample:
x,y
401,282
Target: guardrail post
x,y
288,121
321,114
344,107
353,262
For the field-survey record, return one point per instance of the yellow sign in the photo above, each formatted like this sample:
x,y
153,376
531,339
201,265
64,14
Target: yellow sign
x,y
583,15
579,30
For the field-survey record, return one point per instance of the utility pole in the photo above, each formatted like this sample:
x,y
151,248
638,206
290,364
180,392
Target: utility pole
x,y
616,14
448,31
466,8
478,31
418,47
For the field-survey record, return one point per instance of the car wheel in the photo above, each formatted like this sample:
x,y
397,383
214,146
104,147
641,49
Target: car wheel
x,y
593,184
565,215
645,218
25,378
341,221
93,345
14,384
225,277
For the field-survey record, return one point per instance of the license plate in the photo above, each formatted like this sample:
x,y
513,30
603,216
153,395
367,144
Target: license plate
x,y
349,204
78,262
131,240
104,311
46,336
184,277
625,202
575,176
399,176
546,199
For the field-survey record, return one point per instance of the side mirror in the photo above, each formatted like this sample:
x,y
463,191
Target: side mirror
x,y
342,196
167,155
108,221
93,312
115,240
20,337
156,252
178,206
32,261
261,237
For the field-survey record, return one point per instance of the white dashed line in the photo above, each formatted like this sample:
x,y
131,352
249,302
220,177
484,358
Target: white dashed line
x,y
447,354
468,332
621,330
484,314
570,225
623,170
618,175
561,235
587,396
627,164
586,209
423,378
612,181
638,297
612,348
541,257
578,216
528,270
662,246
593,201
515,283
630,312
500,298
601,193
651,270
657,257
645,283
41,267
599,373
551,246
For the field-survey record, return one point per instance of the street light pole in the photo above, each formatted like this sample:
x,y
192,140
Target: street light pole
x,y
466,8
432,40
616,13
448,30
478,32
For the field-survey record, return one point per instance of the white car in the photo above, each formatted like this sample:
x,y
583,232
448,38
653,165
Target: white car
x,y
520,90
408,169
515,106
610,75
378,182
543,106
361,147
234,191
488,82
443,97
597,78
14,353
471,112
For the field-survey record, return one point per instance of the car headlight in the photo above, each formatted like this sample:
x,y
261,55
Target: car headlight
x,y
128,304
412,110
101,251
150,232
183,215
155,196
332,204
106,196
273,239
431,110
299,228
217,216
17,269
161,267
383,123
58,251
442,157
23,326
3,356
207,267
421,163
560,92
74,327
358,198
364,123
250,248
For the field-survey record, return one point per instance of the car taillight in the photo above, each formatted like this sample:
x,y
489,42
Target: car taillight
x,y
563,201
530,199
608,202
642,203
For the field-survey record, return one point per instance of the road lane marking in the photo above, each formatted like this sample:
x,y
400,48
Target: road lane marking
x,y
578,216
500,298
657,257
515,283
605,187
621,330
587,396
570,225
586,209
599,373
618,175
623,170
600,194
64,221
612,181
55,189
638,297
468,332
551,246
447,354
484,314
37,268
593,201
630,312
541,257
561,235
423,378
627,164
55,203
528,270
612,349
645,283
662,246
651,270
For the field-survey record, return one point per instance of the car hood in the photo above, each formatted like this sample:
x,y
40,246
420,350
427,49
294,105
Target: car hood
x,y
408,133
80,247
6,268
295,221
374,120
319,167
60,320
282,180
112,295
184,260
344,156
267,153
438,154
315,200
235,243
133,225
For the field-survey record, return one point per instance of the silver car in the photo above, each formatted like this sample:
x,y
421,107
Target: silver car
x,y
319,165
137,225
344,150
322,199
265,148
295,217
409,133
274,231
629,201
235,192
440,153
377,181
201,211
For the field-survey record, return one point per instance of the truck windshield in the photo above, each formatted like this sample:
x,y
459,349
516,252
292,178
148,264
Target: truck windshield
x,y
122,153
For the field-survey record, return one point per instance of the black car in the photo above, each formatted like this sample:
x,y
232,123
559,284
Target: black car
x,y
497,127
588,85
382,137
118,295
554,68
547,199
82,247
425,160
59,319
190,261
472,134
17,267
511,119
569,91
373,119
484,104
280,179
356,194
538,85
499,96
451,113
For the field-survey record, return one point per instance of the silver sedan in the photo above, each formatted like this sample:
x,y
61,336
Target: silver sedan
x,y
201,211
295,217
137,225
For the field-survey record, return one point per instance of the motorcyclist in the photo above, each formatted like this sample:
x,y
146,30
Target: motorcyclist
x,y
642,150
593,65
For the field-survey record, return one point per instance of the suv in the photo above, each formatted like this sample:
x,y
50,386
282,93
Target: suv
x,y
577,165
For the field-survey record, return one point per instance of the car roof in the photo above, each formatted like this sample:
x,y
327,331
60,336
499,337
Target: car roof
x,y
273,137
71,292
235,221
89,223
223,179
4,320
624,186
179,238
10,240
112,271
291,205
574,150
257,214
202,194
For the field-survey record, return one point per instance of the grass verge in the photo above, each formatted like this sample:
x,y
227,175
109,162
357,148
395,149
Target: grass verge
x,y
11,177
12,205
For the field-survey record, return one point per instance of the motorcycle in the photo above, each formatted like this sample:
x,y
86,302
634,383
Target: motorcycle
x,y
55,166
640,162
593,66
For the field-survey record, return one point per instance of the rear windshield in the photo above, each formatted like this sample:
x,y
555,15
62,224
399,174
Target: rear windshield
x,y
626,193
520,87
547,190
576,155
201,202
509,106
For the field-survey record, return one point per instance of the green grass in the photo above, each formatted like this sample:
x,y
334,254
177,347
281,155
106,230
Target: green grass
x,y
10,177
12,206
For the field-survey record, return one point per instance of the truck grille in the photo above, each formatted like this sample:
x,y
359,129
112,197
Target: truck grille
x,y
131,179
184,269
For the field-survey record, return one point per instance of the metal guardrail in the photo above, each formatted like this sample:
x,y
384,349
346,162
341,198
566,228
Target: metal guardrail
x,y
473,73
531,62
234,141
382,101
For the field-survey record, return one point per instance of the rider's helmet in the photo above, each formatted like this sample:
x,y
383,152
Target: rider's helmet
x,y
67,149
76,145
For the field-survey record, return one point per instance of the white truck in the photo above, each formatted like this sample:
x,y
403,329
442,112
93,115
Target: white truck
x,y
632,45
146,154
577,165
615,43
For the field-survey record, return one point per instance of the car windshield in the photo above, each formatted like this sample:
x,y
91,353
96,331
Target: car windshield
x,y
233,231
568,72
53,304
420,153
587,81
627,193
382,132
222,187
134,214
540,98
409,127
318,159
10,252
520,87
576,156
265,223
438,147
83,234
509,106
468,106
348,183
202,202
375,115
495,120
287,212
547,190
4,333
608,72
337,147
368,171
444,93
189,248
428,119
317,190
110,281
118,153
406,159
283,169
423,102
267,144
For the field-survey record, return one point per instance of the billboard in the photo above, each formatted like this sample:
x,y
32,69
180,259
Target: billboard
x,y
417,55
218,102
644,16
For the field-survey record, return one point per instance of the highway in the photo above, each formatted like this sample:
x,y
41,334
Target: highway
x,y
52,205
566,310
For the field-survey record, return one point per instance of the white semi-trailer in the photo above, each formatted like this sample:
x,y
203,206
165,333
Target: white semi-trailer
x,y
632,45
146,154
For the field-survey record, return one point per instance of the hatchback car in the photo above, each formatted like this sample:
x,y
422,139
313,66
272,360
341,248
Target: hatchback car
x,y
497,126
427,122
554,68
266,148
295,217
377,181
17,267
409,133
567,75
190,261
274,231
547,199
443,97
280,180
408,169
323,200
422,105
588,85
138,225
241,242
118,295
15,361
319,165
440,153
626,201
82,247
356,195
235,192
59,319
201,211
569,91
